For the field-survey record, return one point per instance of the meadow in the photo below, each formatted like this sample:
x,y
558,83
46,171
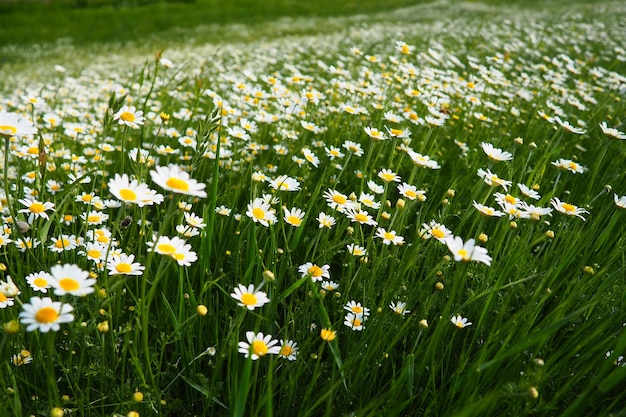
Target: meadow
x,y
417,212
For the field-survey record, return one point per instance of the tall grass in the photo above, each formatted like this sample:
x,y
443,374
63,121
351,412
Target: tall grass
x,y
546,309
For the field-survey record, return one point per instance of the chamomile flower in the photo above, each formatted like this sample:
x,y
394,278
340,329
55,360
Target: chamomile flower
x,y
411,192
325,220
389,237
39,281
360,216
248,297
175,248
528,192
354,321
94,217
354,148
6,301
63,243
173,178
460,322
316,273
44,315
535,213
496,154
288,350
194,220
568,209
129,116
388,175
436,230
492,179
260,211
568,126
399,308
133,192
71,279
569,165
356,250
12,124
329,285
422,160
487,211
337,200
357,309
612,132
375,188
369,200
285,183
294,216
310,157
467,251
374,133
258,345
333,152
35,209
122,264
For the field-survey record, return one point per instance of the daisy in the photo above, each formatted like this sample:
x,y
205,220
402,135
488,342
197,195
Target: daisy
x,y
223,210
11,124
460,322
333,152
337,200
258,345
467,251
357,309
399,308
325,220
122,264
496,154
354,321
398,133
375,188
285,183
569,165
173,178
535,213
329,285
129,116
389,237
569,209
374,133
567,126
70,279
360,216
260,211
316,273
39,281
248,297
353,147
187,231
612,132
294,216
368,200
44,315
27,243
5,301
388,175
411,192
35,208
133,192
620,202
95,251
5,239
310,157
529,192
194,220
288,350
436,230
175,248
487,211
422,160
63,243
492,179
94,217
356,250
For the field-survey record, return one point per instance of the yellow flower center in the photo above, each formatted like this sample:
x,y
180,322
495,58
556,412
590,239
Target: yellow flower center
x,y
438,233
94,218
356,322
33,150
127,116
340,199
93,253
510,199
388,177
40,282
11,130
389,236
410,194
357,309
46,315
259,348
69,284
62,243
123,268
37,207
361,217
128,195
177,184
570,208
293,220
248,299
463,254
258,213
166,248
3,297
315,271
286,350
178,256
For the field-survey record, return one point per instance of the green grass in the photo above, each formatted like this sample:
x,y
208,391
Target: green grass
x,y
547,335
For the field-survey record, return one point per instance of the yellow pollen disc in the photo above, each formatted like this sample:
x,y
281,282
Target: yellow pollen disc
x,y
259,348
438,233
123,267
248,299
569,207
102,239
388,177
46,315
128,195
93,219
177,184
8,129
396,132
69,284
510,199
353,148
360,217
178,256
410,193
40,282
286,350
258,213
315,271
37,208
33,150
166,248
62,243
357,309
3,297
356,322
86,198
127,117
573,165
339,199
463,253
459,324
389,236
294,220
93,253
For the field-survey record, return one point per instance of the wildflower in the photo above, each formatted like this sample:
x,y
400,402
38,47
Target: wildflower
x,y
398,133
388,175
612,132
260,211
569,165
258,345
294,216
22,358
175,248
285,183
368,200
569,209
354,321
94,217
389,237
492,179
63,243
374,133
535,213
310,157
39,281
288,350
422,160
5,239
360,216
356,250
325,220
353,147
496,154
248,297
316,273
620,202
399,308
194,220
436,230
70,279
356,308
460,322
35,209
487,211
467,251
333,152
27,243
11,124
5,301
567,126
329,285
133,192
122,264
411,192
337,200
529,192
129,116
328,335
44,315
223,210
173,178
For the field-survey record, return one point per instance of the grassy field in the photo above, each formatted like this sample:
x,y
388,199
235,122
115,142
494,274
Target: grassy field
x,y
417,212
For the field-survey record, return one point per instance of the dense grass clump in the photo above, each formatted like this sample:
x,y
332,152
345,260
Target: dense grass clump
x,y
392,217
